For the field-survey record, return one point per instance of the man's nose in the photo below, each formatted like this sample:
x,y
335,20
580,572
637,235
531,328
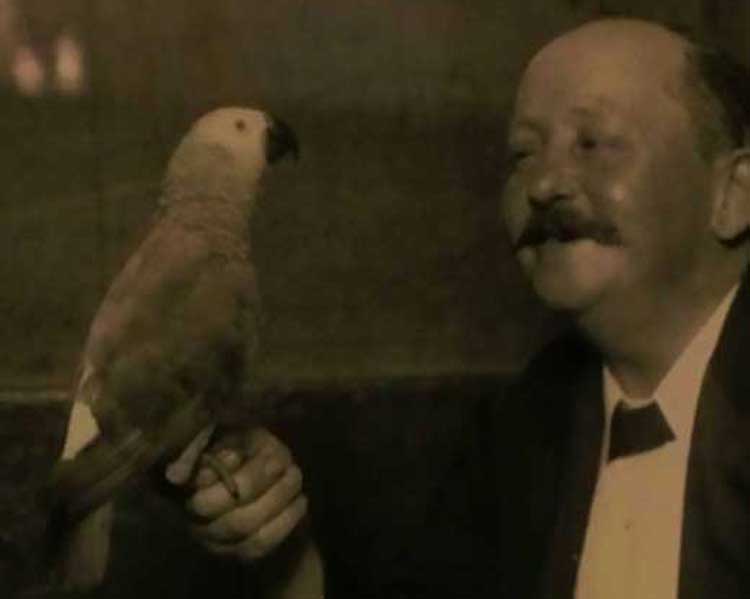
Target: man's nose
x,y
551,183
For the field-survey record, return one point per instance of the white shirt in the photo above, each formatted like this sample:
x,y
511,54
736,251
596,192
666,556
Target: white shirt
x,y
632,544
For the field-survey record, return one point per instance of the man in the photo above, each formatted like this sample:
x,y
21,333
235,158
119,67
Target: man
x,y
618,465
628,205
619,468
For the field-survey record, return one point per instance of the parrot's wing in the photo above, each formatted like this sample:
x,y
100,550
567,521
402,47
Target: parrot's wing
x,y
168,327
165,351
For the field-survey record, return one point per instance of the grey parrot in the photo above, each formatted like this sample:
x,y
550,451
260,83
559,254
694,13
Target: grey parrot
x,y
174,340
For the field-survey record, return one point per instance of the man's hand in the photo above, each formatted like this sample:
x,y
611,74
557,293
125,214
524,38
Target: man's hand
x,y
269,506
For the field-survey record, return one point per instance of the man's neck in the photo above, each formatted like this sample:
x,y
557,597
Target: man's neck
x,y
640,346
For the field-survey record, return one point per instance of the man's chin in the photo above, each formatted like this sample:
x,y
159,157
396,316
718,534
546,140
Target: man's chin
x,y
568,276
563,295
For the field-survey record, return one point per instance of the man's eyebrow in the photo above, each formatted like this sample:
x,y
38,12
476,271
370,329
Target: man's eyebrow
x,y
596,108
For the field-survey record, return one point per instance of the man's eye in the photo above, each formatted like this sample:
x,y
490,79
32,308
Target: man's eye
x,y
518,155
588,143
600,146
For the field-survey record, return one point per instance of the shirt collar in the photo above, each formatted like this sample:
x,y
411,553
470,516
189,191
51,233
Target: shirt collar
x,y
677,393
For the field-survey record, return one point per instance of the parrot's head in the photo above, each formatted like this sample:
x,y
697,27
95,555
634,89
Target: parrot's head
x,y
230,148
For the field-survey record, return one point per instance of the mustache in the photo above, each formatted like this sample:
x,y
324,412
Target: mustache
x,y
563,226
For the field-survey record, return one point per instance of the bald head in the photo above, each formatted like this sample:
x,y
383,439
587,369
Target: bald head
x,y
615,31
712,87
634,62
627,43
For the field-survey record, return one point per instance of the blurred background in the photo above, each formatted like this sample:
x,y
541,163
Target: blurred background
x,y
380,254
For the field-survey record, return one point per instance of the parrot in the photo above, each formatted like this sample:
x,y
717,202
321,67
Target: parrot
x,y
173,345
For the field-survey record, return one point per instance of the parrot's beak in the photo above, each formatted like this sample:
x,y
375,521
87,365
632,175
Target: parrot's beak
x,y
281,140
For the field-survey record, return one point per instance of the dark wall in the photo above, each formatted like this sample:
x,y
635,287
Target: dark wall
x,y
379,253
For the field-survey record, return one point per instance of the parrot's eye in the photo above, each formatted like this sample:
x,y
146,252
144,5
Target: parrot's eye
x,y
239,124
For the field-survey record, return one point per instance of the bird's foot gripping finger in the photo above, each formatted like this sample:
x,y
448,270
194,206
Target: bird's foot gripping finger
x,y
223,474
182,469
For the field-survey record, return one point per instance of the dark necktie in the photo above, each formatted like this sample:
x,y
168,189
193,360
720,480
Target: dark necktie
x,y
637,429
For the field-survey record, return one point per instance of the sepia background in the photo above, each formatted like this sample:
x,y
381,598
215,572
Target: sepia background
x,y
380,254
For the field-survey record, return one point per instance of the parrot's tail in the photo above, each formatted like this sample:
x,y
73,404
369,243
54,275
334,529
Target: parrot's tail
x,y
103,467
86,482
81,489
80,516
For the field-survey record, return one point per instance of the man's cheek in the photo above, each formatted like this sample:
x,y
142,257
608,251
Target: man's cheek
x,y
608,196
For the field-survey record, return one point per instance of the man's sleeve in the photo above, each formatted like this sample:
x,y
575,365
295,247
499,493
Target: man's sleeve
x,y
401,505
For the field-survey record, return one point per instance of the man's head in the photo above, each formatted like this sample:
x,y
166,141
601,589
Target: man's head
x,y
629,179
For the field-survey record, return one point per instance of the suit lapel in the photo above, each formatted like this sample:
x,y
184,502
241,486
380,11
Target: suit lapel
x,y
715,546
549,447
578,475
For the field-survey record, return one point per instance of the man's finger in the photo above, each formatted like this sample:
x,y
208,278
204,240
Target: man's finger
x,y
272,534
259,440
253,443
253,478
246,520
268,537
229,458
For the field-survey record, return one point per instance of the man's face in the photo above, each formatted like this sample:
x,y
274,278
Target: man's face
x,y
608,198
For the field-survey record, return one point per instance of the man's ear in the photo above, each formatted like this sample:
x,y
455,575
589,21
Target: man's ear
x,y
731,211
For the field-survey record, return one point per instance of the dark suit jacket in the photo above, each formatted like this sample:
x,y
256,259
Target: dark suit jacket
x,y
511,516
556,418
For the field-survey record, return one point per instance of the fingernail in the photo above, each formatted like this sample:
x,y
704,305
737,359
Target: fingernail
x,y
273,467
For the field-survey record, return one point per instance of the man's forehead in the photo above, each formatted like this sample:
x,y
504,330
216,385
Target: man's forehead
x,y
589,109
609,61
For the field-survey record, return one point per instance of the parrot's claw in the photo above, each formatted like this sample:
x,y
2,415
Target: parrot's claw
x,y
180,471
224,475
